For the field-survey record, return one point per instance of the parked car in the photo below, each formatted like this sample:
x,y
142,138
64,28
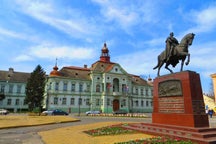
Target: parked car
x,y
92,112
4,112
47,112
120,112
59,112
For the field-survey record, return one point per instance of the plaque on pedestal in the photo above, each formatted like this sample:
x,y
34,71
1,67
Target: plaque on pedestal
x,y
178,100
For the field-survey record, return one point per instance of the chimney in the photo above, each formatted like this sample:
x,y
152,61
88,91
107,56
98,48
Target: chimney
x,y
85,66
10,72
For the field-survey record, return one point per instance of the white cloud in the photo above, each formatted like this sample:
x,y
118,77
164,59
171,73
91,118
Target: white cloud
x,y
128,14
141,62
69,21
205,19
68,52
23,57
12,34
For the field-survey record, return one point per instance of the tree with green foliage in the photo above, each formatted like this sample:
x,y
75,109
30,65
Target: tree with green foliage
x,y
35,89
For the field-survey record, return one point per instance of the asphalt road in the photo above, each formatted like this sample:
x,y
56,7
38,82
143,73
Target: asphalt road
x,y
28,135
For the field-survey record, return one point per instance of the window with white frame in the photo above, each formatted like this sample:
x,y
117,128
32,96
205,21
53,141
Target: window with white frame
x,y
136,91
10,88
65,86
2,88
98,88
80,101
137,103
19,89
147,103
72,101
73,87
147,92
80,87
97,102
88,88
108,101
56,86
64,101
9,101
124,102
142,103
87,101
55,101
17,102
141,91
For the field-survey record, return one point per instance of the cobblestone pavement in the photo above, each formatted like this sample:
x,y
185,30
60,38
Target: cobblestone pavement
x,y
28,135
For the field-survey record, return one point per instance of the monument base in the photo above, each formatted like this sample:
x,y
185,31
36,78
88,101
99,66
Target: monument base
x,y
179,109
204,135
178,100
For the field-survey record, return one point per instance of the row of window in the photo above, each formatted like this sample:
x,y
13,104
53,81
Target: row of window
x,y
125,88
12,88
81,101
10,101
73,87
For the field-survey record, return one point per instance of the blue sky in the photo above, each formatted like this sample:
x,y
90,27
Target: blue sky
x,y
36,32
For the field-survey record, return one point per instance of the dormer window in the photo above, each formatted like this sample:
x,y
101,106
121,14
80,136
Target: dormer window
x,y
116,69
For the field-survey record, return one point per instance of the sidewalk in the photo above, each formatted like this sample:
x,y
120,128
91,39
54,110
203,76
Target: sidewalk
x,y
12,121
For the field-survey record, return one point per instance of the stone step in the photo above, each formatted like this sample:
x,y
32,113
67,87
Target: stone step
x,y
200,135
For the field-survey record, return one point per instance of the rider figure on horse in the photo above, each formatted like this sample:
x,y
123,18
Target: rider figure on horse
x,y
171,43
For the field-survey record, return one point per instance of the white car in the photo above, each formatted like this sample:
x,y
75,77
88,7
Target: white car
x,y
4,111
48,112
92,112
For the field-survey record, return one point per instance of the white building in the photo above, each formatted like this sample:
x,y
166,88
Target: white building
x,y
12,86
104,86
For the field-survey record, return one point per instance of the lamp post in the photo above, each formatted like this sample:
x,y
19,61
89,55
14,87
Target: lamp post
x,y
79,102
48,94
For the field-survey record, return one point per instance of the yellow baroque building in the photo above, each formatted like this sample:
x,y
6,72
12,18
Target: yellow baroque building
x,y
213,76
105,86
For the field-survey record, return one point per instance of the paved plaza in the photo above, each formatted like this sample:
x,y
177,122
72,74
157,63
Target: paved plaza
x,y
72,132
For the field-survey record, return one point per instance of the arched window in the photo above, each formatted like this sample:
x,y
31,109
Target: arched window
x,y
97,88
116,85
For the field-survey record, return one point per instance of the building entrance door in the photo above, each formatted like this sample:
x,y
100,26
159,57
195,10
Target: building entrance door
x,y
115,104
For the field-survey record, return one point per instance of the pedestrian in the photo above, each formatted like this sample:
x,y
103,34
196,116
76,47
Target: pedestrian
x,y
210,112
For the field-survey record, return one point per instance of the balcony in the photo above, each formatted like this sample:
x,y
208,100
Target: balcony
x,y
117,93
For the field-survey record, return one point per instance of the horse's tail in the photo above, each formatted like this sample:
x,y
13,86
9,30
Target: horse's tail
x,y
156,67
157,64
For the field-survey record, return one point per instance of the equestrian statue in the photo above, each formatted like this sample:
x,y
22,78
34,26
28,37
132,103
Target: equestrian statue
x,y
175,52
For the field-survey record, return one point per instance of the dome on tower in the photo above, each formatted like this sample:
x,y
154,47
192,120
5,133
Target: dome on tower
x,y
55,71
105,54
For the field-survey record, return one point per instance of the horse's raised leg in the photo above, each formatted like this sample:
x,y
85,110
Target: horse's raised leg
x,y
182,64
168,68
188,60
159,67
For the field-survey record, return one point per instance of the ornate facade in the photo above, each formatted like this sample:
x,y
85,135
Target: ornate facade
x,y
104,86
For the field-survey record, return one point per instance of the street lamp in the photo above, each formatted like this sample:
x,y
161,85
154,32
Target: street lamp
x,y
48,94
79,101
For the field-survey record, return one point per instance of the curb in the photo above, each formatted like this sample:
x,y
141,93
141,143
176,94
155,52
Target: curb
x,y
9,127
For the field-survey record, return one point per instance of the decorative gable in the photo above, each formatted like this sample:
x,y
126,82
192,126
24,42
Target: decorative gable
x,y
118,69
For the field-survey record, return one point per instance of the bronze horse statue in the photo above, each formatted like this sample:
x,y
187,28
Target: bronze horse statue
x,y
180,52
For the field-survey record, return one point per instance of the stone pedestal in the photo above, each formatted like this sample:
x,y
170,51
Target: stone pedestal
x,y
178,100
179,109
